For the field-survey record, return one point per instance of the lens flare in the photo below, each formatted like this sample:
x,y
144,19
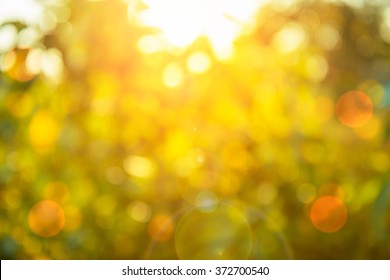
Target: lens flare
x,y
220,234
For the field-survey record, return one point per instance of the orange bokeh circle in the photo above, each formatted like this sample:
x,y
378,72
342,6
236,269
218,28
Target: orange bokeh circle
x,y
160,228
46,218
328,214
354,109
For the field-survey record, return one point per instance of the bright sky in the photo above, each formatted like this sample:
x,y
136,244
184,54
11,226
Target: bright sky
x,y
28,11
181,22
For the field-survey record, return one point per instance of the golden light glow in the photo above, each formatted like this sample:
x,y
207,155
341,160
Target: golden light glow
x,y
14,62
139,211
194,129
150,44
198,62
33,61
354,109
8,33
52,66
46,218
43,131
139,166
190,162
327,36
182,22
316,68
328,214
289,39
172,75
7,61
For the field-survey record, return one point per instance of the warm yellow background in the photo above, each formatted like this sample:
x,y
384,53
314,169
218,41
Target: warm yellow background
x,y
194,129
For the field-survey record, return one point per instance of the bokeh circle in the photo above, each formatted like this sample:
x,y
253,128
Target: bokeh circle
x,y
354,109
46,218
223,233
328,214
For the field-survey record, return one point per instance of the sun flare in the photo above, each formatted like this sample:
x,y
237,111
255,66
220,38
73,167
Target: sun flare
x,y
181,22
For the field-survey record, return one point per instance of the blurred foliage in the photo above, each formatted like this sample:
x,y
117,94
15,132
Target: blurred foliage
x,y
117,146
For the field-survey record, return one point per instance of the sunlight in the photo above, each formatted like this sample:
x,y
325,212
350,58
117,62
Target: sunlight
x,y
182,22
27,11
